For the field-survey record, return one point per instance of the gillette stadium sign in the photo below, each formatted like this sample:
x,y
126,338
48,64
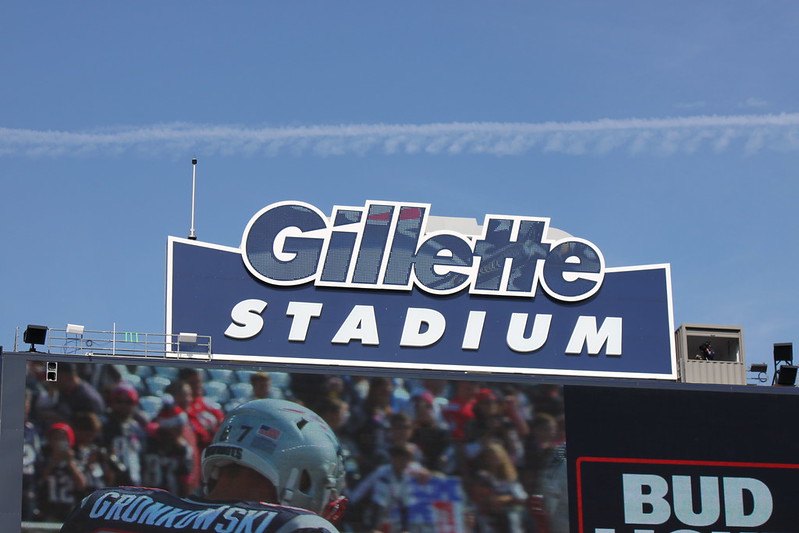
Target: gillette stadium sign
x,y
377,286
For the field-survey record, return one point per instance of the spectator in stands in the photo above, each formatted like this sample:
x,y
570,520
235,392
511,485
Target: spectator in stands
x,y
459,410
91,458
76,395
438,392
384,496
193,432
336,412
68,395
123,435
496,491
400,397
43,406
110,377
517,409
261,385
307,388
168,458
31,448
547,399
539,449
432,436
360,386
207,414
310,388
62,481
400,431
337,387
554,490
491,424
373,433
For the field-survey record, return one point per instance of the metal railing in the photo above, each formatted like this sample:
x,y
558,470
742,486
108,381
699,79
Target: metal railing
x,y
127,344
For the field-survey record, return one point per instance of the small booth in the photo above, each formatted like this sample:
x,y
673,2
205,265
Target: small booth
x,y
711,354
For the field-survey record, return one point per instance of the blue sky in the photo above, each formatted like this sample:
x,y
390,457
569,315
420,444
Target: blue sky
x,y
664,132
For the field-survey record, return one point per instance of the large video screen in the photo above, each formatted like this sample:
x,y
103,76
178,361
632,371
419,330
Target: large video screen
x,y
433,454
419,454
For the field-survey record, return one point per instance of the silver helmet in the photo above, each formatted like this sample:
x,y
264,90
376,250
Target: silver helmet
x,y
288,444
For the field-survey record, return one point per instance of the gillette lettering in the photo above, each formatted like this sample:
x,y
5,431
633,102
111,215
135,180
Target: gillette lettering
x,y
386,245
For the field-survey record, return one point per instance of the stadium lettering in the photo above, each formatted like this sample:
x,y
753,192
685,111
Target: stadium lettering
x,y
424,327
385,245
721,504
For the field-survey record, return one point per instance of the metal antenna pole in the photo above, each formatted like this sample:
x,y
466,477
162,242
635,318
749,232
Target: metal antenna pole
x,y
192,236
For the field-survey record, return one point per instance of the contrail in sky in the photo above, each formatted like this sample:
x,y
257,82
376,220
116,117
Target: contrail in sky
x,y
747,134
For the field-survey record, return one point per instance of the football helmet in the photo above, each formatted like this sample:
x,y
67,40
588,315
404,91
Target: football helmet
x,y
285,442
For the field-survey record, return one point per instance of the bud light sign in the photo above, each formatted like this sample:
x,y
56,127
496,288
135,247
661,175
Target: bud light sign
x,y
372,286
660,496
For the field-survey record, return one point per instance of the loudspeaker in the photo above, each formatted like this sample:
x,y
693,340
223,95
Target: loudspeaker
x,y
783,351
787,375
35,334
52,371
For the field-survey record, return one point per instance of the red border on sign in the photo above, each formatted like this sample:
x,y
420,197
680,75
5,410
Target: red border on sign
x,y
581,460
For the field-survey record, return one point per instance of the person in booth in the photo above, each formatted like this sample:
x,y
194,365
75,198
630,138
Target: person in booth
x,y
273,467
706,352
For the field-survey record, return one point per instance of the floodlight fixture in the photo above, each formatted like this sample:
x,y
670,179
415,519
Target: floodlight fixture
x,y
761,369
787,376
75,329
34,335
783,355
187,337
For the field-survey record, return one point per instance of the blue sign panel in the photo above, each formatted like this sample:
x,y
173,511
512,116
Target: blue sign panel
x,y
370,287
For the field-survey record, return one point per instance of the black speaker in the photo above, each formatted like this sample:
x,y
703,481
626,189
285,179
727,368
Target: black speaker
x,y
783,351
787,375
35,334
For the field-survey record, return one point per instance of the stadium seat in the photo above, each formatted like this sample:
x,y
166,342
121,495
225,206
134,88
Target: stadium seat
x,y
169,372
221,374
217,391
156,384
150,405
240,391
280,380
243,376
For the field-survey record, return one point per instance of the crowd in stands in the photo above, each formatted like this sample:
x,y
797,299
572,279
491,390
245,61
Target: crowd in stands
x,y
108,425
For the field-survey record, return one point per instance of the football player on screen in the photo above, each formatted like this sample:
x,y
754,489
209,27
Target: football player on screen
x,y
273,467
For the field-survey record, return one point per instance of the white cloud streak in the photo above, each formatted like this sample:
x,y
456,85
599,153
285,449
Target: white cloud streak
x,y
747,134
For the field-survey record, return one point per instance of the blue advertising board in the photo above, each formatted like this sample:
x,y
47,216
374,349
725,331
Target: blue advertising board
x,y
371,287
